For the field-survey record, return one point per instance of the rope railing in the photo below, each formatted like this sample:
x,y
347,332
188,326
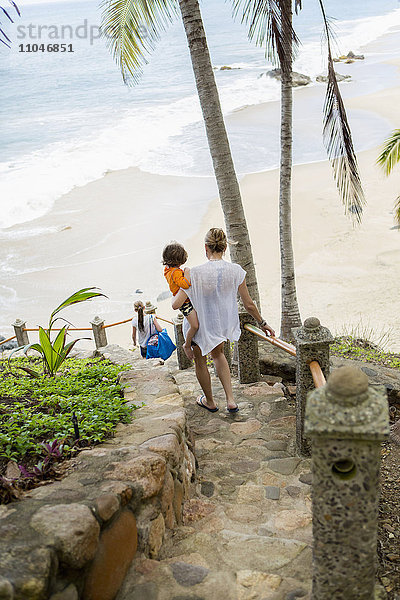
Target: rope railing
x,y
118,323
162,319
59,329
98,329
33,329
8,339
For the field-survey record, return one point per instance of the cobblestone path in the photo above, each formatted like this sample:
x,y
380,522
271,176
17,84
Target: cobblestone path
x,y
246,534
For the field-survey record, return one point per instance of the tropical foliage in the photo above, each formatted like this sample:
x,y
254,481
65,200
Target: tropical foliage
x,y
4,39
388,159
37,416
54,352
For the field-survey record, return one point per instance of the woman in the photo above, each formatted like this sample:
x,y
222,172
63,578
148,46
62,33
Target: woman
x,y
213,292
144,326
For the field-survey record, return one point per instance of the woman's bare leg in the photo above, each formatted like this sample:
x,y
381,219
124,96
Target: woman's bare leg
x,y
224,374
203,376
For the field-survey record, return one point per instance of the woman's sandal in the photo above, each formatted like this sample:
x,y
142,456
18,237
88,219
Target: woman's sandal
x,y
233,410
199,402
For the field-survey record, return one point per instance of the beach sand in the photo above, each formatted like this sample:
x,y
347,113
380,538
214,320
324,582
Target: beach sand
x,y
110,233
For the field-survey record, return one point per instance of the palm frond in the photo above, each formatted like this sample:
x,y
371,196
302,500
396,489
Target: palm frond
x,y
297,6
268,21
15,7
390,155
3,34
4,39
131,29
338,141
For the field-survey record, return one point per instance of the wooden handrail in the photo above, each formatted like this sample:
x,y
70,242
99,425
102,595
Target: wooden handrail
x,y
8,339
317,374
272,340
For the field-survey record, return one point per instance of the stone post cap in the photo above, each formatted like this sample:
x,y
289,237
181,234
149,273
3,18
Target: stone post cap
x,y
346,407
97,321
178,319
312,332
19,323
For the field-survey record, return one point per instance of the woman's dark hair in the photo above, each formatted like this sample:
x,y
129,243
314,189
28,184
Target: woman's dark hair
x,y
174,255
139,307
216,240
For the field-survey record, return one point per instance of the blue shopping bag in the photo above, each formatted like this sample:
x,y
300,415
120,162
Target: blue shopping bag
x,y
160,345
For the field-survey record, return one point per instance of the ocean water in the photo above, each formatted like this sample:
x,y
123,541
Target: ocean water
x,y
67,118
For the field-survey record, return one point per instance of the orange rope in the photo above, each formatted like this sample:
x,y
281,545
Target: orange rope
x,y
8,340
69,329
161,319
90,329
119,323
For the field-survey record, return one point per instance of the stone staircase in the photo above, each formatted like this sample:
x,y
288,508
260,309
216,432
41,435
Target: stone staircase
x,y
246,533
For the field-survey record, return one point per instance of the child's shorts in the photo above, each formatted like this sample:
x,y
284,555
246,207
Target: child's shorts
x,y
186,308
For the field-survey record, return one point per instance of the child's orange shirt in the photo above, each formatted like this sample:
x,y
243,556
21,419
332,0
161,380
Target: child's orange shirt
x,y
176,279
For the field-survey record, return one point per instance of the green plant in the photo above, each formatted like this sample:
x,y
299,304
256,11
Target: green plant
x,y
356,348
55,352
36,414
367,334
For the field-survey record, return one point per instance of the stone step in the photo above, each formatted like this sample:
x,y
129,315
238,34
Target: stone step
x,y
247,531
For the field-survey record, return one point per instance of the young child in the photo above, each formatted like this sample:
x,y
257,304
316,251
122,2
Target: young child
x,y
174,255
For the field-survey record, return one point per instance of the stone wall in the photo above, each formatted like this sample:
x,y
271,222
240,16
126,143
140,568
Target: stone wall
x,y
76,538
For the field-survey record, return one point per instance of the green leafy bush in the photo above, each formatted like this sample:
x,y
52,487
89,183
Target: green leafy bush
x,y
33,411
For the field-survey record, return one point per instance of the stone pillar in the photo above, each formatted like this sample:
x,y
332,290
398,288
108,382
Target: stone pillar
x,y
183,361
249,366
22,336
346,422
312,343
99,334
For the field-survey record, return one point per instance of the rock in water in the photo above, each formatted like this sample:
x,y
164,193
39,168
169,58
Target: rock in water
x,y
298,79
339,77
355,56
163,296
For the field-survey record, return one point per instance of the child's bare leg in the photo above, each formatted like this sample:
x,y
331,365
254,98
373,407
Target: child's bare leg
x,y
194,325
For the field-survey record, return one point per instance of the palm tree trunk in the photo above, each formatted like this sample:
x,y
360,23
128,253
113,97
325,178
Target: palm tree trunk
x,y
228,187
290,315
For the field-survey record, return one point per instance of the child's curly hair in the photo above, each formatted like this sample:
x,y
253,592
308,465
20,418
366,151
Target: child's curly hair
x,y
174,255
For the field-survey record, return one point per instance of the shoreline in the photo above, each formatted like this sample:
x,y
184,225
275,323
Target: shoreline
x,y
89,240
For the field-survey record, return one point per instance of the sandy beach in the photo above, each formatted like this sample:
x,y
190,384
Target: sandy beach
x,y
110,233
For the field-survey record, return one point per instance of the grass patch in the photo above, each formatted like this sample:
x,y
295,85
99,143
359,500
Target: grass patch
x,y
34,411
348,346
